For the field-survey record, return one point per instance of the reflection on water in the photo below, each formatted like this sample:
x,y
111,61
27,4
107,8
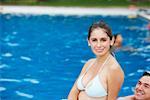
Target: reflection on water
x,y
41,56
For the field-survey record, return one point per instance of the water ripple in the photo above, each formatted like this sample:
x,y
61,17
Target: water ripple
x,y
12,44
83,61
3,66
7,54
9,80
34,81
25,58
2,89
24,94
131,74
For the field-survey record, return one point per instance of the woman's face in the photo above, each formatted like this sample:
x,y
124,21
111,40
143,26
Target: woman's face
x,y
100,42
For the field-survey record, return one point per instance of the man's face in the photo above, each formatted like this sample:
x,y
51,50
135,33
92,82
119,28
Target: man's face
x,y
142,89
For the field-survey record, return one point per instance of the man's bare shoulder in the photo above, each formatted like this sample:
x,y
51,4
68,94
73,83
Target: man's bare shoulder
x,y
130,97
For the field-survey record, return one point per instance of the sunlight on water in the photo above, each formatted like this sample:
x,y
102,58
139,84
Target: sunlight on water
x,y
41,56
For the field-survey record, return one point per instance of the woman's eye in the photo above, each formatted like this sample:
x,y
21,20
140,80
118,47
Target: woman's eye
x,y
94,40
103,40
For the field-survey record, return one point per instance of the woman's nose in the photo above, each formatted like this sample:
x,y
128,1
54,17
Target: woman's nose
x,y
98,43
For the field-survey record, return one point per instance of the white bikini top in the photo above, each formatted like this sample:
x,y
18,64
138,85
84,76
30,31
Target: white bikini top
x,y
94,88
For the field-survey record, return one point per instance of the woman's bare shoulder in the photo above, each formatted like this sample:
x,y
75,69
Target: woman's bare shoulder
x,y
114,69
113,64
87,64
91,60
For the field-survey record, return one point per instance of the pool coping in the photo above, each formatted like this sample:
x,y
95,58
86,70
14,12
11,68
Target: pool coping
x,y
66,11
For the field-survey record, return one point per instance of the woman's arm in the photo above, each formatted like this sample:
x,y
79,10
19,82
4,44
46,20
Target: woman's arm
x,y
73,95
115,81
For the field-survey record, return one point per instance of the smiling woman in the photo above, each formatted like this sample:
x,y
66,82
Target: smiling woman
x,y
99,76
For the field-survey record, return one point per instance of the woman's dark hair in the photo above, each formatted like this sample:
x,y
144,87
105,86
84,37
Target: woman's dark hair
x,y
103,25
147,73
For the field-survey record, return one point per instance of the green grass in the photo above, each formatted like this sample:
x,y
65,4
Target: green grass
x,y
80,3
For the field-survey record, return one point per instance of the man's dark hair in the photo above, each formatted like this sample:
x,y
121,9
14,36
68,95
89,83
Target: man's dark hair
x,y
146,73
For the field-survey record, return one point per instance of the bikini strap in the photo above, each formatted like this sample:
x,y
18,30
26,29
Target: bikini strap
x,y
104,64
93,63
90,65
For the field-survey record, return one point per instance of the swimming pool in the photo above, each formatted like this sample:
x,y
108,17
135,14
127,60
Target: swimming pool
x,y
41,56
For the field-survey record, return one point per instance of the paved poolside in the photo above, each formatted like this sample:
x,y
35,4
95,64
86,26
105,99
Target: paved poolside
x,y
38,10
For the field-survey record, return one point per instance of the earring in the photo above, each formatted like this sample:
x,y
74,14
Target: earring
x,y
89,44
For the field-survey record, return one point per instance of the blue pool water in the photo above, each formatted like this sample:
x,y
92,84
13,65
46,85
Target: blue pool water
x,y
41,56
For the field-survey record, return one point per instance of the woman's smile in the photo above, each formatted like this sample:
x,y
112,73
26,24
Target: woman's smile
x,y
99,50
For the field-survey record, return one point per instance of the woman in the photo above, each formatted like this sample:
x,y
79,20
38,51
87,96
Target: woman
x,y
101,78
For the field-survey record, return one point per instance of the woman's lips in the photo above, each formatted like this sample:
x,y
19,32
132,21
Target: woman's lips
x,y
99,50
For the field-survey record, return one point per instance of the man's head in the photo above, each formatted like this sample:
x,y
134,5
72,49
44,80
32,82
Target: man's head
x,y
142,89
118,40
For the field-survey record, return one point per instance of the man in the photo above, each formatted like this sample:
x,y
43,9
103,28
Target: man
x,y
118,40
142,89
